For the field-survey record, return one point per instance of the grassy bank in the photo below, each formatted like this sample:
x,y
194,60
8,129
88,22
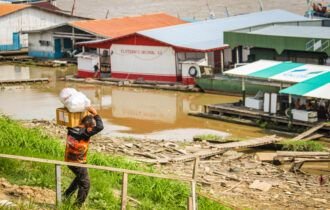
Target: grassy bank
x,y
152,193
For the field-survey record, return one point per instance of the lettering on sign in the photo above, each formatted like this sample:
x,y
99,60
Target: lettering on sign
x,y
141,52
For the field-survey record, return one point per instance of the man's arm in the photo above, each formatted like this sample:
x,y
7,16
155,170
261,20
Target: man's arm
x,y
99,124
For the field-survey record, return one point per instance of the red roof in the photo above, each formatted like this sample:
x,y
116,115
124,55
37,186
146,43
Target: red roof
x,y
6,9
46,5
117,27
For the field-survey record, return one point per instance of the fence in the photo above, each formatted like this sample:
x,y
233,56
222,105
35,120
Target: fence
x,y
191,201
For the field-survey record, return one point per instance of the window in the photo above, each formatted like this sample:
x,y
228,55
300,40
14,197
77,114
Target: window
x,y
44,43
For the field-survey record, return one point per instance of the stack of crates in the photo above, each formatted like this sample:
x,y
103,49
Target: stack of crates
x,y
69,119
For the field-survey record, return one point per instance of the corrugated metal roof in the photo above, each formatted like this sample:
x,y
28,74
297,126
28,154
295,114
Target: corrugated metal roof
x,y
122,26
208,34
316,87
295,31
279,71
6,9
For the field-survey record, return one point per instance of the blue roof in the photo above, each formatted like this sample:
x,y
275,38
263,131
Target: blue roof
x,y
208,34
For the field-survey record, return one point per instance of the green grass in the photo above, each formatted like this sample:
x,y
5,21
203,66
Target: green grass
x,y
153,193
302,146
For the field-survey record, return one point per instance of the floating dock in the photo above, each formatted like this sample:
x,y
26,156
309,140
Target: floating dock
x,y
24,81
243,115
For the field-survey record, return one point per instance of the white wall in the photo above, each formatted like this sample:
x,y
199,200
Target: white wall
x,y
143,60
34,44
28,19
87,63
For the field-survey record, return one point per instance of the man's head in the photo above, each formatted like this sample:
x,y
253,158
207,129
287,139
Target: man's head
x,y
88,121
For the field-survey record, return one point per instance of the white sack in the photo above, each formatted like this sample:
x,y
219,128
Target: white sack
x,y
66,93
74,101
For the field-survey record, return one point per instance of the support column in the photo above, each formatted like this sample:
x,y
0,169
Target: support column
x,y
243,91
222,61
290,113
207,58
73,38
237,55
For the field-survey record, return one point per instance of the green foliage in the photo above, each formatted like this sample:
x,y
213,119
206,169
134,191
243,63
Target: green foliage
x,y
302,146
153,193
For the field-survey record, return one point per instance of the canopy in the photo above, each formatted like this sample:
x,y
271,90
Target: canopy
x,y
277,71
316,87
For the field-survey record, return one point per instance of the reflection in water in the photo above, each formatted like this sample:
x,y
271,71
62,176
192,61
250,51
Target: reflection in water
x,y
126,111
144,105
8,72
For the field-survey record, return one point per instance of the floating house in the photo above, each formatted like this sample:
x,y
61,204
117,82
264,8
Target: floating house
x,y
64,36
302,97
162,54
306,41
16,18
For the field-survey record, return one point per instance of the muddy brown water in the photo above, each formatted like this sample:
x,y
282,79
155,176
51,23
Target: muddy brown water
x,y
127,112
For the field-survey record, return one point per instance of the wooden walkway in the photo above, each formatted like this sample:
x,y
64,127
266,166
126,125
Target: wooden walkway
x,y
24,81
219,149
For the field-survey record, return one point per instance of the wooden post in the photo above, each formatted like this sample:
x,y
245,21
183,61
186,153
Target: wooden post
x,y
193,184
124,192
237,54
190,203
58,184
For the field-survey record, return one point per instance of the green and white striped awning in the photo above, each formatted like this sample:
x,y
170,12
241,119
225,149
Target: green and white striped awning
x,y
316,87
309,80
286,72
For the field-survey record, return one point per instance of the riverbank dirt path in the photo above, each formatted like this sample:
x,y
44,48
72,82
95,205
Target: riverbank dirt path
x,y
233,177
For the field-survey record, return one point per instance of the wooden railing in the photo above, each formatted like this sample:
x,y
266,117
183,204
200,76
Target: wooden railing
x,y
191,201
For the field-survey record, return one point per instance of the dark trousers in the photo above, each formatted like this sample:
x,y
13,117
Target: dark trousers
x,y
80,182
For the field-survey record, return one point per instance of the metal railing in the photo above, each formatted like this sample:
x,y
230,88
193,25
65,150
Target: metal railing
x,y
191,201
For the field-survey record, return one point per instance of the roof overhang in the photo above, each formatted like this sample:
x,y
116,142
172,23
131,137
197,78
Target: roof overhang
x,y
106,44
278,72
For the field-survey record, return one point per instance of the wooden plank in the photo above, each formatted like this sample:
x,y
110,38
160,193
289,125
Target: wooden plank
x,y
124,191
308,132
301,154
106,168
313,137
233,145
296,166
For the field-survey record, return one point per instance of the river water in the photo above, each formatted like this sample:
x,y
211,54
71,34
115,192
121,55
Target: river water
x,y
128,112
196,9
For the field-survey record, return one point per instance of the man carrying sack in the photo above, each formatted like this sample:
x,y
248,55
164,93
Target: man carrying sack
x,y
76,152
